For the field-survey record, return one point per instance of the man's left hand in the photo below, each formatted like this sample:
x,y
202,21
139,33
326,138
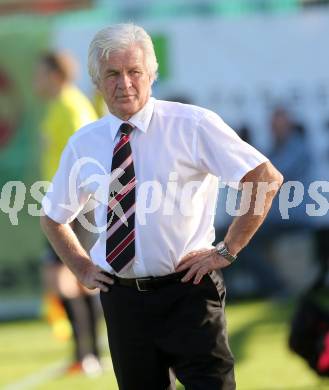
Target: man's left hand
x,y
199,263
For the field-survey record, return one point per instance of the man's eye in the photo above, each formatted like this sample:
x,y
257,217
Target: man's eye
x,y
110,74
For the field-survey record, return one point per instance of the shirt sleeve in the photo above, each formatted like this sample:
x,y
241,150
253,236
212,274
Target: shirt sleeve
x,y
221,152
65,197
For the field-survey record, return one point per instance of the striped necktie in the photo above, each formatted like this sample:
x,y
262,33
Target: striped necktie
x,y
120,243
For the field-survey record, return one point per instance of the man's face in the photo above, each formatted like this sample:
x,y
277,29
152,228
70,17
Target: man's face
x,y
125,82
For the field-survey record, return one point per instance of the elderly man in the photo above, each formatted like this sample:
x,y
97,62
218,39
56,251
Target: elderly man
x,y
154,261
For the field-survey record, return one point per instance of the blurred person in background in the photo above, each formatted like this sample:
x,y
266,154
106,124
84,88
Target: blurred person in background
x,y
67,109
321,233
162,298
255,275
290,153
290,150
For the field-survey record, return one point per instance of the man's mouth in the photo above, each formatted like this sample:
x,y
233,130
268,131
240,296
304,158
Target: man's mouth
x,y
125,97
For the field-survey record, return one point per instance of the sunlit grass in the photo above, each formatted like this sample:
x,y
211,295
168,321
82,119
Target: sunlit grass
x,y
258,336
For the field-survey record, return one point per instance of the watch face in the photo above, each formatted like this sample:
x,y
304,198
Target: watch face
x,y
221,246
223,251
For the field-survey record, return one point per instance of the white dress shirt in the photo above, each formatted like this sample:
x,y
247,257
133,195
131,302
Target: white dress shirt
x,y
179,152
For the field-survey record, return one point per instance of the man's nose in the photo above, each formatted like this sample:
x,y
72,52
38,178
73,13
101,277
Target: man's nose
x,y
124,81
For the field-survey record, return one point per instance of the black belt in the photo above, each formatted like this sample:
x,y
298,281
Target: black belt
x,y
150,283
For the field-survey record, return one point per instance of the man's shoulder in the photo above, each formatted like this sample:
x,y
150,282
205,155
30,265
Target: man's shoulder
x,y
172,109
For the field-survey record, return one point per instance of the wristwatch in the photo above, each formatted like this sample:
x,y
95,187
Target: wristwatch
x,y
223,251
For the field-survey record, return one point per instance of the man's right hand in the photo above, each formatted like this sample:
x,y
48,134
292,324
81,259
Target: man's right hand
x,y
92,276
73,255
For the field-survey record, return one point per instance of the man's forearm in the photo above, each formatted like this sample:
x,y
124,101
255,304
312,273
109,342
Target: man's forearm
x,y
245,226
70,250
66,245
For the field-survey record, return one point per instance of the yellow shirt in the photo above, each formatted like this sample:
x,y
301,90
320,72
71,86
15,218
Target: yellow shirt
x,y
65,114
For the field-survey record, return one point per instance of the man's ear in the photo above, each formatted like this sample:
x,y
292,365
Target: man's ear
x,y
98,87
151,80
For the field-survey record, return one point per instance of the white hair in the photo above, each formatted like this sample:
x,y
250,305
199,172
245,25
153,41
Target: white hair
x,y
116,38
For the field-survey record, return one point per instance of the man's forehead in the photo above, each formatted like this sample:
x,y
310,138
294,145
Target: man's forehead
x,y
130,55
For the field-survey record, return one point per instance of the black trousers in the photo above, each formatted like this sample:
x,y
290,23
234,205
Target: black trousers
x,y
181,326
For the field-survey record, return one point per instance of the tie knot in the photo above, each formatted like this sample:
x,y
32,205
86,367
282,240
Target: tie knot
x,y
126,129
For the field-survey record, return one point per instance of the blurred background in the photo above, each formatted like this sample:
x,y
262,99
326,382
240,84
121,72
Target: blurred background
x,y
262,65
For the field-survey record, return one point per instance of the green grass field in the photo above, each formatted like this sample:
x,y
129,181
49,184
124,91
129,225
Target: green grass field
x,y
30,357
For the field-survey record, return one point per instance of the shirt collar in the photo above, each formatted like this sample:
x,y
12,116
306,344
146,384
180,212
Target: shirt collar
x,y
141,119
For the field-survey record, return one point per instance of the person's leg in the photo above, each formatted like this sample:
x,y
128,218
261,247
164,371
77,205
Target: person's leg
x,y
195,336
81,308
77,314
93,315
137,362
